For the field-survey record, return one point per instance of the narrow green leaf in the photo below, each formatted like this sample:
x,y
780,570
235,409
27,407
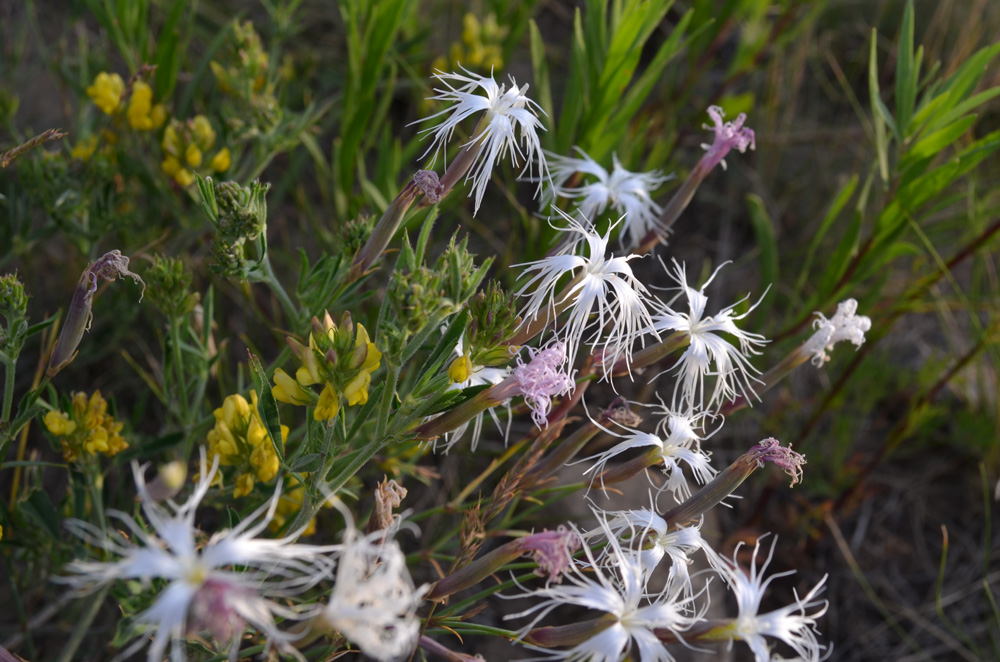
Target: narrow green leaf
x,y
540,69
39,507
906,75
575,98
267,407
445,346
930,145
763,229
836,206
878,115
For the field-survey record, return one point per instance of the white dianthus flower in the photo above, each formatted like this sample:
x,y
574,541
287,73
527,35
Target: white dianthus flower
x,y
602,285
845,324
204,590
681,445
616,587
710,353
374,603
628,193
510,118
793,625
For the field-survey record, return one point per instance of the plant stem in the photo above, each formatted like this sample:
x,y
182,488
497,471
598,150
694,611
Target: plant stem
x,y
8,388
268,278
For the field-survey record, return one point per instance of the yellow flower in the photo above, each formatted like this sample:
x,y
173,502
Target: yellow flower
x,y
59,424
204,134
286,389
184,177
86,428
106,91
244,485
84,149
171,143
221,161
240,439
171,166
140,106
192,155
158,115
356,391
460,369
328,405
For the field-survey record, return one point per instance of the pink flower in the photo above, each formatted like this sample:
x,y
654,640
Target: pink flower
x,y
728,135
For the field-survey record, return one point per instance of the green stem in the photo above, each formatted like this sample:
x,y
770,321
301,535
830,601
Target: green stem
x,y
82,628
181,390
385,405
8,388
268,278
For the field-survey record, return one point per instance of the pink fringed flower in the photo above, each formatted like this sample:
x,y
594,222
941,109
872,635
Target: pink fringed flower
x,y
542,379
728,135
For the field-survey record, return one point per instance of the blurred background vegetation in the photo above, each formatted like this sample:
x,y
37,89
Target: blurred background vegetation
x,y
875,176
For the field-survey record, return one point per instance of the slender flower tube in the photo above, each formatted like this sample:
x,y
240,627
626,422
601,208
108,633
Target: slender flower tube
x,y
631,614
541,379
551,550
844,325
109,266
680,444
386,228
728,136
768,450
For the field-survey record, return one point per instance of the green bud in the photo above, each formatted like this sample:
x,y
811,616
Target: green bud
x,y
13,306
242,209
168,281
494,322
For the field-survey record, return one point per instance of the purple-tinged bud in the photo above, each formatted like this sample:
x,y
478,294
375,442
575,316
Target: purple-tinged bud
x,y
317,326
768,450
331,356
109,266
728,136
771,450
552,550
432,646
429,184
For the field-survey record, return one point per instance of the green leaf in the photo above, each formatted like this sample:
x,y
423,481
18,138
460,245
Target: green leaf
x,y
167,57
930,145
540,69
879,113
267,407
907,76
39,507
836,206
445,346
763,229
575,98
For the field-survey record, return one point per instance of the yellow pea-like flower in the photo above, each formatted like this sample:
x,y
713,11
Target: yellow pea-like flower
x,y
328,405
221,161
106,92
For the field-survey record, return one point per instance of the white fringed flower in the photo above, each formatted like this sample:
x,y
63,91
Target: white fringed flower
x,y
601,285
616,587
709,353
845,324
628,193
794,624
681,445
648,533
204,592
508,112
374,602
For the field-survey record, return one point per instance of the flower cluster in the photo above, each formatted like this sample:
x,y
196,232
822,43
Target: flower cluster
x,y
86,428
239,439
106,92
185,146
340,358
